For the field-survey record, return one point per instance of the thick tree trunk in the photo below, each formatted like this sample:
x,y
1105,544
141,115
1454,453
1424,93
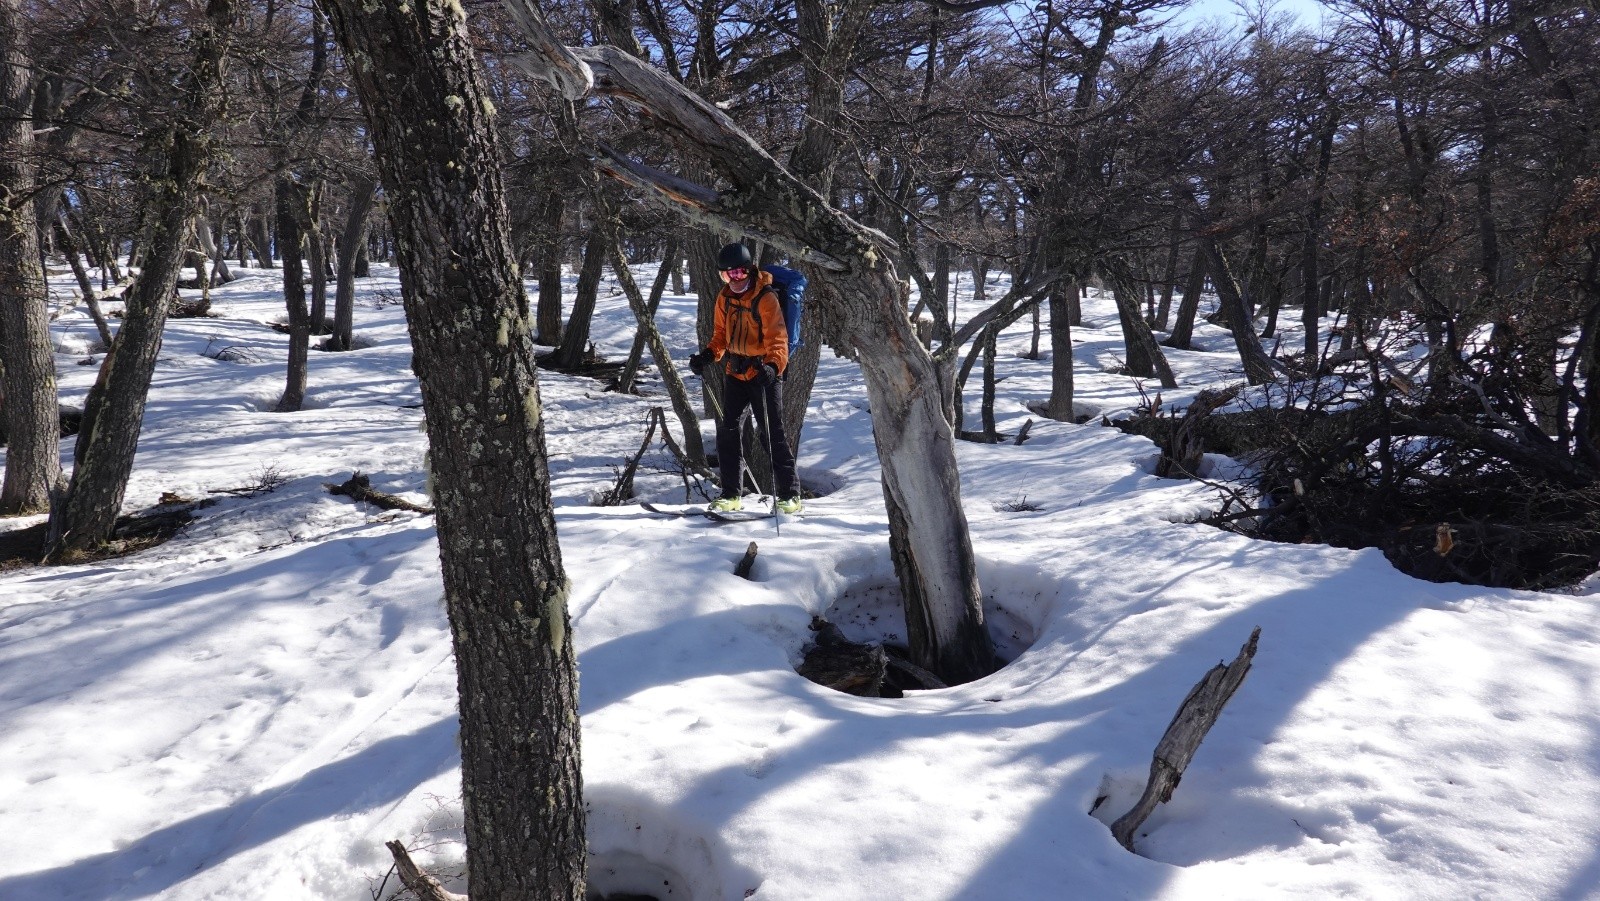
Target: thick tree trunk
x,y
28,399
290,202
351,242
921,485
114,410
505,588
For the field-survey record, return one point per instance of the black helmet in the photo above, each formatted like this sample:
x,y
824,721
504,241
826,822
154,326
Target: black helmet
x,y
734,256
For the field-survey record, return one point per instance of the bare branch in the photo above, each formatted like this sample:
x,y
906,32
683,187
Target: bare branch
x,y
550,60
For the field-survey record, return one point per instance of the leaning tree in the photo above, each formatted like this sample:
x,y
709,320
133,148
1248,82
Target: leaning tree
x,y
860,292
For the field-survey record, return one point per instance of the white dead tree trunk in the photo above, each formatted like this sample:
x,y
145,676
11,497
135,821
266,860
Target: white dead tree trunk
x,y
928,527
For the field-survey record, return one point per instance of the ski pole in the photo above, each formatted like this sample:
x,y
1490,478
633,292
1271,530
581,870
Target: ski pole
x,y
772,455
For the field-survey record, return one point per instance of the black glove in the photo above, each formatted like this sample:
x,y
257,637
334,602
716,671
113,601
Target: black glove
x,y
768,376
698,361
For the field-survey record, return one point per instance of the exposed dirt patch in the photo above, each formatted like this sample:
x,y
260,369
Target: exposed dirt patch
x,y
21,548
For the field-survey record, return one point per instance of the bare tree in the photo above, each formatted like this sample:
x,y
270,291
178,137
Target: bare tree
x,y
928,530
113,414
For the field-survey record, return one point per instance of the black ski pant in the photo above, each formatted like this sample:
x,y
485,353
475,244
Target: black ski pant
x,y
738,396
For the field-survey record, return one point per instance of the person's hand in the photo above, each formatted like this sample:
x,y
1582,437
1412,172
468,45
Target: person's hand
x,y
769,374
698,361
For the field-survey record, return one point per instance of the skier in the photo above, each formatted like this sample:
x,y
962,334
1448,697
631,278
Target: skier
x,y
748,337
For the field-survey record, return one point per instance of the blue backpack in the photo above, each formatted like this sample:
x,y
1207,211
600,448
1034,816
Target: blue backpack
x,y
790,288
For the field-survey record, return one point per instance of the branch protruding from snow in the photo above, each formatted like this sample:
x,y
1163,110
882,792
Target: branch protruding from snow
x,y
419,883
1195,717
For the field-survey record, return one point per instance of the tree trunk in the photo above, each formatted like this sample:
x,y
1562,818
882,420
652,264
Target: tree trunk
x,y
28,397
1257,365
1059,406
1144,356
628,379
505,588
316,261
1169,275
114,410
644,311
291,205
91,298
219,274
575,342
548,329
262,239
1182,336
351,242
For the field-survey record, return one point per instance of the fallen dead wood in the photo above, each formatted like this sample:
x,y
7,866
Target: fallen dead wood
x,y
1195,717
840,664
417,882
358,487
922,677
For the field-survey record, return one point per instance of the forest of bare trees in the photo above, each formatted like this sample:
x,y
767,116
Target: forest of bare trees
x,y
1415,185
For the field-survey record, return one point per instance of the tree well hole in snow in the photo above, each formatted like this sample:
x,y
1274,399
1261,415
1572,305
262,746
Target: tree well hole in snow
x,y
870,613
819,482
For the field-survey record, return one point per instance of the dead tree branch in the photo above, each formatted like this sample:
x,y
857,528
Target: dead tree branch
x,y
419,883
1189,726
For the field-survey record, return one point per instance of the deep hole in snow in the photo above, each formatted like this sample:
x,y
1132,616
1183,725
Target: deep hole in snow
x,y
860,642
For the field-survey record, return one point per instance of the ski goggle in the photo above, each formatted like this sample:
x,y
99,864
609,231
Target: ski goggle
x,y
734,275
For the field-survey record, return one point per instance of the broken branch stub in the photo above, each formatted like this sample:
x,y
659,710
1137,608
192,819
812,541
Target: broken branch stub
x,y
1195,717
415,880
550,61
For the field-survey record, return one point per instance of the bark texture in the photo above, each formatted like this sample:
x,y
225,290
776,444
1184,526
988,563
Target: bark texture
x,y
27,362
505,588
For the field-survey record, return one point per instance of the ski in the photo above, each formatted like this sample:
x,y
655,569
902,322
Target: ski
x,y
685,511
707,513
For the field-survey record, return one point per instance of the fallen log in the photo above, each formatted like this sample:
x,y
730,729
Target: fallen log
x,y
358,487
1195,717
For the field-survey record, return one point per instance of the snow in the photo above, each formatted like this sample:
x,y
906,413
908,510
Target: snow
x,y
253,708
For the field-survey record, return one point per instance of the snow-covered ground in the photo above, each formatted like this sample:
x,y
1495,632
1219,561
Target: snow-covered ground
x,y
252,709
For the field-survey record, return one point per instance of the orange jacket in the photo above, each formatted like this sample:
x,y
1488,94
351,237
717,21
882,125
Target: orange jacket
x,y
750,324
